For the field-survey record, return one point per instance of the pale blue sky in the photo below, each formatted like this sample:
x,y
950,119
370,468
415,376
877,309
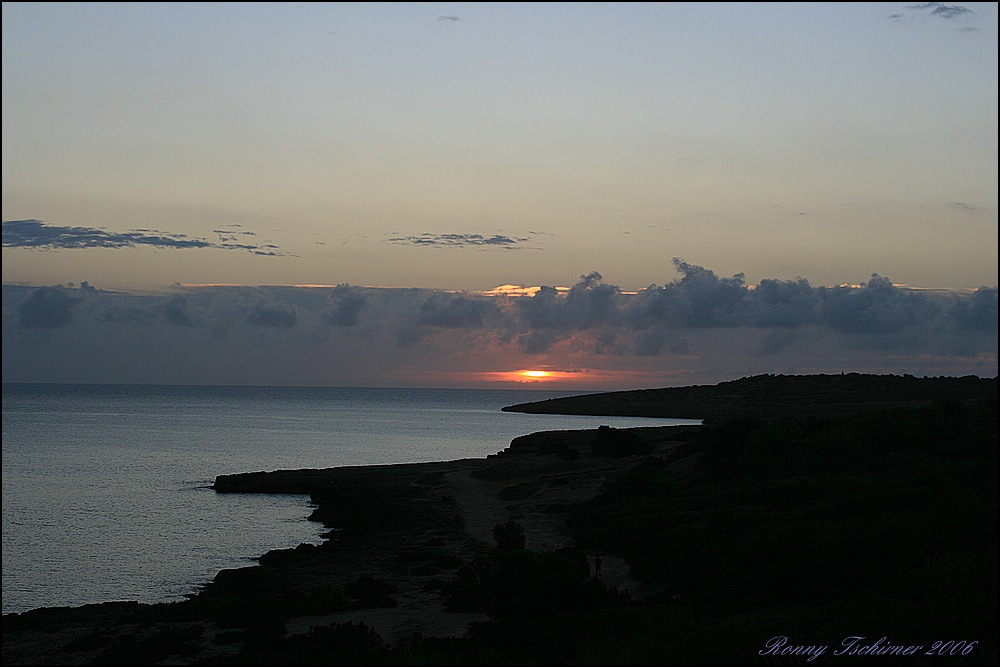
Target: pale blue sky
x,y
348,142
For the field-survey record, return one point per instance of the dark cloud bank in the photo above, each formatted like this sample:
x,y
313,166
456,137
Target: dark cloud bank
x,y
699,327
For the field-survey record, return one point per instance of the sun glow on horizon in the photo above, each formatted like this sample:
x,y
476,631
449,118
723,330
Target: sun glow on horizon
x,y
570,378
538,376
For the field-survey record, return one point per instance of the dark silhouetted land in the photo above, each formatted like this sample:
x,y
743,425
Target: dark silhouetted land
x,y
814,508
772,396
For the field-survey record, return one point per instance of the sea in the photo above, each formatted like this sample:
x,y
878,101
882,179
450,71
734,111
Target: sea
x,y
107,488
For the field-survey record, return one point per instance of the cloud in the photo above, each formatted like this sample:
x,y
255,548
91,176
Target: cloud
x,y
47,308
954,14
696,327
36,234
978,313
942,10
699,299
274,315
345,305
461,241
589,303
877,308
173,312
454,311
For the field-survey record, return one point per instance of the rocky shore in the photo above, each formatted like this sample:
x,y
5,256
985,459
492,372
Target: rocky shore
x,y
404,526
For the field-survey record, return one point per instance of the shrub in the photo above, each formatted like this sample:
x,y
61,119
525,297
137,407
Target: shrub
x,y
509,535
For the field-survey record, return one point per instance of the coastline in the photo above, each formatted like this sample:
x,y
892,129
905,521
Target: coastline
x,y
406,525
752,524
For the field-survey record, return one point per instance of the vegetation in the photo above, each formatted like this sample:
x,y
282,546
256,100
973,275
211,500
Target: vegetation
x,y
509,535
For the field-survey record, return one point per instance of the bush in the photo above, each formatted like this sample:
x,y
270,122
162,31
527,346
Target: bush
x,y
529,583
509,535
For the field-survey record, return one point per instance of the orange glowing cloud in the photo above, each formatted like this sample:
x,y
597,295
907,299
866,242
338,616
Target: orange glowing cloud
x,y
518,290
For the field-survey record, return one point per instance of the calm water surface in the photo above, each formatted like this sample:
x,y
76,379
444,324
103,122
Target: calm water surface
x,y
106,488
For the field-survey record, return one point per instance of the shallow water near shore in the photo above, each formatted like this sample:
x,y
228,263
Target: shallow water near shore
x,y
106,487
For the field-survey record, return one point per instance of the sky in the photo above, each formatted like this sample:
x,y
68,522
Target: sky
x,y
580,195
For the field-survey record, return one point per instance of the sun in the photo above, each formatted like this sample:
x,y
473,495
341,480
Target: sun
x,y
536,374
